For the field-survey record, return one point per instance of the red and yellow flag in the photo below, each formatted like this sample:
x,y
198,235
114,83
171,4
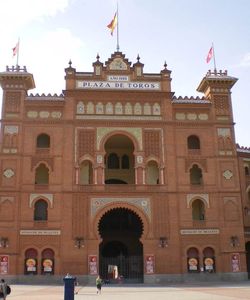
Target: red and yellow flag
x,y
112,24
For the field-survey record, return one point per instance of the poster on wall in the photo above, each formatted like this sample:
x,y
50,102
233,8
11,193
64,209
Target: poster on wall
x,y
4,264
47,265
31,265
93,269
235,262
192,264
149,264
209,264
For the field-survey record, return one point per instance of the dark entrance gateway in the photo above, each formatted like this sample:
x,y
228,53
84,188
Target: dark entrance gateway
x,y
121,252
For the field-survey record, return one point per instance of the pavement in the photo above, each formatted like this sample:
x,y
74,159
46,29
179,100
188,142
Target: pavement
x,y
208,291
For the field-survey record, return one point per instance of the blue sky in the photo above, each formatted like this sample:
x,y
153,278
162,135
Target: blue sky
x,y
179,32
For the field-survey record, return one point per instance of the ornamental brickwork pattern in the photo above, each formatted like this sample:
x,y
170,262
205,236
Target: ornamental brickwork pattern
x,y
221,105
86,142
152,143
12,102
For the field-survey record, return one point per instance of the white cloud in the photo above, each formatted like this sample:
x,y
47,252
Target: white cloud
x,y
48,55
245,62
15,13
17,18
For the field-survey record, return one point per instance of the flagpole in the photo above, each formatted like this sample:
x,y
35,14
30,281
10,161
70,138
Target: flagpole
x,y
117,32
214,57
17,55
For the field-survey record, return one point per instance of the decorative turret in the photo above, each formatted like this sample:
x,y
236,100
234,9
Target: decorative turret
x,y
138,67
70,76
15,82
16,78
98,66
215,82
217,88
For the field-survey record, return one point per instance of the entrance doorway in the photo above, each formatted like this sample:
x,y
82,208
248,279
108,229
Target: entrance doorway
x,y
248,258
121,252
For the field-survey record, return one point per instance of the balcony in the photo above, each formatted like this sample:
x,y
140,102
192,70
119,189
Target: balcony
x,y
41,187
194,151
121,188
199,223
42,151
40,224
196,187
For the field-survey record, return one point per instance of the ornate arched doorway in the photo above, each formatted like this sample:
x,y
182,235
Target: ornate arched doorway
x,y
121,252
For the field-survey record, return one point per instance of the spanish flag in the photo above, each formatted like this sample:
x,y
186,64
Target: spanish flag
x,y
113,24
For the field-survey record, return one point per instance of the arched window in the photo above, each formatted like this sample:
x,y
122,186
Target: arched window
x,y
248,195
198,210
246,170
86,172
119,160
48,261
152,173
43,141
125,162
30,263
209,260
195,175
193,142
42,174
41,210
193,260
113,161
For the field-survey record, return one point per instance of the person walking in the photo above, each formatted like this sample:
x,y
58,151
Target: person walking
x,y
3,290
98,284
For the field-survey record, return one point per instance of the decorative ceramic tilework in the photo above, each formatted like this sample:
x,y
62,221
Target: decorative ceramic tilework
x,y
142,203
49,197
102,131
9,129
228,174
8,173
204,197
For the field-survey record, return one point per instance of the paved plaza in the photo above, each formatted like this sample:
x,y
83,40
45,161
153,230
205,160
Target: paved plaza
x,y
209,291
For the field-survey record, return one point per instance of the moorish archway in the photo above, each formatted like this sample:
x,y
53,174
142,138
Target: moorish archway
x,y
121,252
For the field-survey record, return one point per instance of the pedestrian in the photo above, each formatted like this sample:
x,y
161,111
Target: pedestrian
x,y
76,283
98,284
3,290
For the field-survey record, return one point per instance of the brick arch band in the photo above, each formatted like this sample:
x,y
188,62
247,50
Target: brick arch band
x,y
104,208
135,134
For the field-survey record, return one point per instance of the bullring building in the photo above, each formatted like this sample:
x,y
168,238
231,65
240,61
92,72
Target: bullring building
x,y
119,177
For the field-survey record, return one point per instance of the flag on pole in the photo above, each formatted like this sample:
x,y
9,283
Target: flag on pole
x,y
16,49
113,24
210,54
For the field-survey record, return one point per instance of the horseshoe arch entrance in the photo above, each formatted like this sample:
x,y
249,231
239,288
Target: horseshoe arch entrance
x,y
121,252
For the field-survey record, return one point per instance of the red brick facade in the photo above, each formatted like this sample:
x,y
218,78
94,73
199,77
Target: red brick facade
x,y
117,171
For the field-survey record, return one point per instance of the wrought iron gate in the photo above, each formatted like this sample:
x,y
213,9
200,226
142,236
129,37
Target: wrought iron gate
x,y
130,269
